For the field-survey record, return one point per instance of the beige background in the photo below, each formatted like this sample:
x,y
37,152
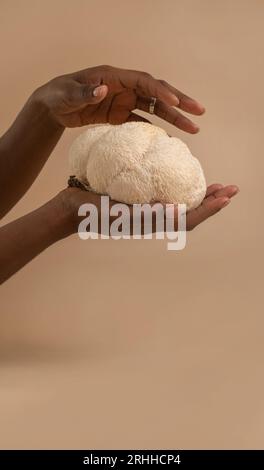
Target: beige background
x,y
107,344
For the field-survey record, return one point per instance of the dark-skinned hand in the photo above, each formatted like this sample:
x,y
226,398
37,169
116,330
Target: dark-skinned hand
x,y
109,94
69,200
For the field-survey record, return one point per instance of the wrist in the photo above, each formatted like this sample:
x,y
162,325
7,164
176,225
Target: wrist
x,y
39,102
58,218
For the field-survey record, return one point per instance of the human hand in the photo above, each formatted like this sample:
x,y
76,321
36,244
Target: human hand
x,y
217,197
70,199
108,94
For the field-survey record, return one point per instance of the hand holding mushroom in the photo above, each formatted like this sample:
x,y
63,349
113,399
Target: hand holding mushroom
x,y
139,163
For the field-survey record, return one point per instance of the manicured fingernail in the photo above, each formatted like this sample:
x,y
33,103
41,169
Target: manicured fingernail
x,y
100,90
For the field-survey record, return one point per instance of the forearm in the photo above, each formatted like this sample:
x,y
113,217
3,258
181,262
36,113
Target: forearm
x,y
23,239
24,149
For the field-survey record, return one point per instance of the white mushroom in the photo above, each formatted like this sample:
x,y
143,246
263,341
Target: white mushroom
x,y
137,162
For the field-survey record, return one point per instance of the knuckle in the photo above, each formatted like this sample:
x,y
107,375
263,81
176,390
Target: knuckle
x,y
146,75
175,121
86,92
105,67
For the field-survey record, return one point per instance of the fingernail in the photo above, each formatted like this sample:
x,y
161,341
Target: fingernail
x,y
176,100
202,108
235,189
100,90
195,128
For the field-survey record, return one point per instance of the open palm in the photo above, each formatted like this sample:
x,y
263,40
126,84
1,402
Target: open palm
x,y
217,197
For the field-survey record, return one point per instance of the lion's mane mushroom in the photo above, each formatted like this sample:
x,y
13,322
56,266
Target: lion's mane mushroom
x,y
137,162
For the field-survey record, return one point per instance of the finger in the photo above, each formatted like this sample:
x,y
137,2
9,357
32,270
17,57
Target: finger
x,y
81,95
207,209
169,114
213,188
137,117
227,191
186,103
144,84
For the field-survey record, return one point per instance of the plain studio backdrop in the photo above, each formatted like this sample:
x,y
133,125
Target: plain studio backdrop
x,y
122,344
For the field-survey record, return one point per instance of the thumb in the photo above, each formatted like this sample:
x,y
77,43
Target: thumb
x,y
91,94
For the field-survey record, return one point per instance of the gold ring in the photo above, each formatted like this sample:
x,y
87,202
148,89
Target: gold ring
x,y
152,105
